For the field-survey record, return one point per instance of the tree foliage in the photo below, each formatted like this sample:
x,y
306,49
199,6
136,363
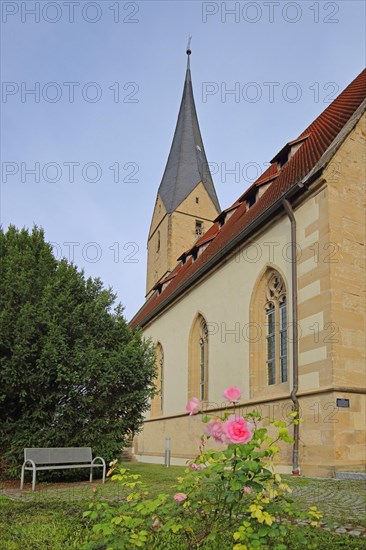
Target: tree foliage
x,y
72,373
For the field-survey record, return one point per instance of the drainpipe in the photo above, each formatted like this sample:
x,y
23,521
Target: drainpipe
x,y
295,357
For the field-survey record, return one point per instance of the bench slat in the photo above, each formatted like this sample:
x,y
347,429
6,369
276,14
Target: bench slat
x,y
65,466
56,455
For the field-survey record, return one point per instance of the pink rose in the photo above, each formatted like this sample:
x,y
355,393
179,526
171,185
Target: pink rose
x,y
193,406
196,467
247,490
232,394
237,430
94,489
179,497
214,430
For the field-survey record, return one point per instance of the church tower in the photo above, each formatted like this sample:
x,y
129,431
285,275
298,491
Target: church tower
x,y
186,203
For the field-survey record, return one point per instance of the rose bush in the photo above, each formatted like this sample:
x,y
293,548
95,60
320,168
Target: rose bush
x,y
230,497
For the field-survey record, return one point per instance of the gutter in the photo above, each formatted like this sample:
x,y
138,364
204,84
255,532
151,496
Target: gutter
x,y
295,352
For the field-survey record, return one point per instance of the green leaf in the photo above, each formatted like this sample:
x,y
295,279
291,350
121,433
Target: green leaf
x,y
69,361
251,465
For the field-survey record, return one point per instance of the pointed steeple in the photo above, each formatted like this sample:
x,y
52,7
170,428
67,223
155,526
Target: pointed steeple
x,y
187,164
186,204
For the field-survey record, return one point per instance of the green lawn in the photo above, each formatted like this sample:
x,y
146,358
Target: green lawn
x,y
40,525
51,518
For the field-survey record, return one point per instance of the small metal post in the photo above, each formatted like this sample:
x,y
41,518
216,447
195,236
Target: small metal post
x,y
167,452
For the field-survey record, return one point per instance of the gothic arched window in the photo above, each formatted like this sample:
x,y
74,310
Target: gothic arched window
x,y
157,402
276,329
198,360
268,347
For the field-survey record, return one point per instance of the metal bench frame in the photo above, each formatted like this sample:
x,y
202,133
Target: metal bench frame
x,y
59,458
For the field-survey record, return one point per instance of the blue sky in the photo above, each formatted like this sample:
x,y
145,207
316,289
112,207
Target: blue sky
x,y
283,62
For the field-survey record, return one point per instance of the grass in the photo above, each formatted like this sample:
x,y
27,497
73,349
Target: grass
x,y
51,518
158,479
40,525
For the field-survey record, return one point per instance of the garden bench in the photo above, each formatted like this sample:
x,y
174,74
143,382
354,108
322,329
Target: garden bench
x,y
58,459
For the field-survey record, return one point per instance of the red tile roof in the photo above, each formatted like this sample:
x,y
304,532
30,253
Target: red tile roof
x,y
320,135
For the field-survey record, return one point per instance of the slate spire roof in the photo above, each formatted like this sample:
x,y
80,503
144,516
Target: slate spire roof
x,y
187,164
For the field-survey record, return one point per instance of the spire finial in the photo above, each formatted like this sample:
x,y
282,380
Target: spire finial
x,y
188,51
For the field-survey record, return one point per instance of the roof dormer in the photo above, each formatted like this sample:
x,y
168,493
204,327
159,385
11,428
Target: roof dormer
x,y
288,151
226,214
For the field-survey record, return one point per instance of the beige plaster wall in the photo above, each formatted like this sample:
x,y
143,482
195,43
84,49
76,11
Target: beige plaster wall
x,y
223,300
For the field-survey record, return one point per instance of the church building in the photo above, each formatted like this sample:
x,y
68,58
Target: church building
x,y
267,294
